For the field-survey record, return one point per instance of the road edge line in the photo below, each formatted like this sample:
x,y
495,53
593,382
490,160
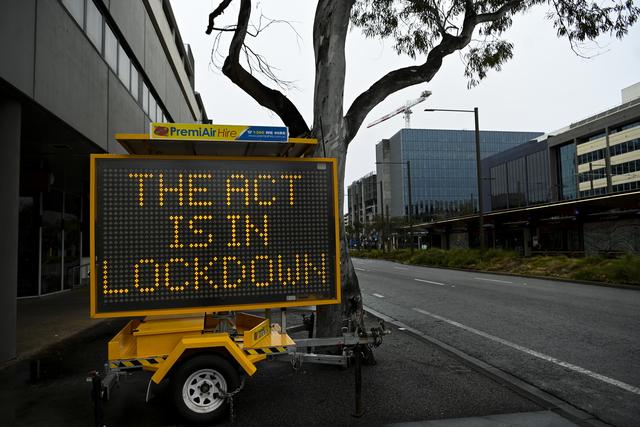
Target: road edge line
x,y
519,386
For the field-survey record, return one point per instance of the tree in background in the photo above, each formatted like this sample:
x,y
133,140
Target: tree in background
x,y
427,31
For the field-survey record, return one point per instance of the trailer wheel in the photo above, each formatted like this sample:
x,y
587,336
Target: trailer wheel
x,y
200,385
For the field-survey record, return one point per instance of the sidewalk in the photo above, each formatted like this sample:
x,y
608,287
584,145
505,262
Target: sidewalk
x,y
414,383
47,320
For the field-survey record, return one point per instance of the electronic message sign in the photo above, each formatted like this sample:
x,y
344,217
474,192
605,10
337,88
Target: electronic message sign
x,y
197,234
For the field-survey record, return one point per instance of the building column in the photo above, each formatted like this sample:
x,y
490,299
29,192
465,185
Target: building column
x,y
607,162
526,241
10,123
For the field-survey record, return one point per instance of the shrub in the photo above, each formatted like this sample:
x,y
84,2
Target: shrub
x,y
625,270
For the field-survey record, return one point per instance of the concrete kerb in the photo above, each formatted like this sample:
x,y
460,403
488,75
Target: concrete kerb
x,y
542,398
502,273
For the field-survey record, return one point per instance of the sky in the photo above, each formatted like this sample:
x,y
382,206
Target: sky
x,y
543,88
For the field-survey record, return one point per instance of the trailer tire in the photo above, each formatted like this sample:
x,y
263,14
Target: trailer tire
x,y
197,386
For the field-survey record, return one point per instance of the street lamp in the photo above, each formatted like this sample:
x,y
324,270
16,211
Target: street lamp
x,y
409,213
478,167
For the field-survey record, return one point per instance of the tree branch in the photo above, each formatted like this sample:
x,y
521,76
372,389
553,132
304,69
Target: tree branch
x,y
509,6
217,12
265,96
409,76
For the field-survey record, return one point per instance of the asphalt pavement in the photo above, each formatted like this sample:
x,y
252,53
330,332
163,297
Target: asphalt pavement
x,y
578,342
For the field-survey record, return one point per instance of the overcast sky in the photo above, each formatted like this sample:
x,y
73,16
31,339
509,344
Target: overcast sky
x,y
543,88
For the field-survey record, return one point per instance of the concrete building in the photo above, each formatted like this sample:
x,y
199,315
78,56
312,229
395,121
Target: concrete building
x,y
74,73
442,170
573,191
362,211
363,199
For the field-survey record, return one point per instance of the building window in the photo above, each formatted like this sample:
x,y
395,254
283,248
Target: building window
x,y
538,178
111,48
499,198
94,25
516,182
567,172
625,127
76,9
124,67
145,98
152,108
134,82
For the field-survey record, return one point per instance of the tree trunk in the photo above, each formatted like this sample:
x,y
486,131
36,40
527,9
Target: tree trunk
x,y
329,34
331,318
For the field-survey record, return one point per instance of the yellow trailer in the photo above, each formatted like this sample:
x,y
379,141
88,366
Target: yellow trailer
x,y
194,241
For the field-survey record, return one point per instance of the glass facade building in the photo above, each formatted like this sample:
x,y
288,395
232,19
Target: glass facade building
x,y
574,191
517,177
597,156
567,171
442,169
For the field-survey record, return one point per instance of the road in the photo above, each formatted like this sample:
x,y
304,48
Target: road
x,y
578,342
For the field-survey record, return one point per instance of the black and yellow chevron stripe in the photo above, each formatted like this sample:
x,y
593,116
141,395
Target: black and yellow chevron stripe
x,y
265,350
137,363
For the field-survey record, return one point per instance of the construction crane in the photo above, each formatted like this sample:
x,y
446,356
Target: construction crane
x,y
406,109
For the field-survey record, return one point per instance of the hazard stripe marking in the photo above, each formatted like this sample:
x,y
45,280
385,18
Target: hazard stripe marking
x,y
134,363
265,350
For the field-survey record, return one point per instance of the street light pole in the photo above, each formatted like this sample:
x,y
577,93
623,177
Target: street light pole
x,y
479,175
478,167
382,229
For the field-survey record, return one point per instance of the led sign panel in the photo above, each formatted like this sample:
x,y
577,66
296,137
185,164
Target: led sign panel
x,y
193,234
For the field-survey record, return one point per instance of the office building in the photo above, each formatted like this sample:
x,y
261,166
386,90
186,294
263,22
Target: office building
x,y
441,165
73,74
600,154
517,177
363,198
573,191
362,212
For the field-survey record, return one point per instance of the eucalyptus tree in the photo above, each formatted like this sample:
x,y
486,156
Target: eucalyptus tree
x,y
425,30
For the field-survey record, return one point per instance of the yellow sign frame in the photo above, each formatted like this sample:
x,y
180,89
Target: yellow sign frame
x,y
206,309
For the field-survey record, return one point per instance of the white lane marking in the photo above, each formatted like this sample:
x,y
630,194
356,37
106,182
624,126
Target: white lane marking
x,y
595,375
429,281
359,269
493,280
401,268
378,295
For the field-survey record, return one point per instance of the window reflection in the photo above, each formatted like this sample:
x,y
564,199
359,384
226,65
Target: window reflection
x,y
94,25
110,48
567,172
76,9
124,67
